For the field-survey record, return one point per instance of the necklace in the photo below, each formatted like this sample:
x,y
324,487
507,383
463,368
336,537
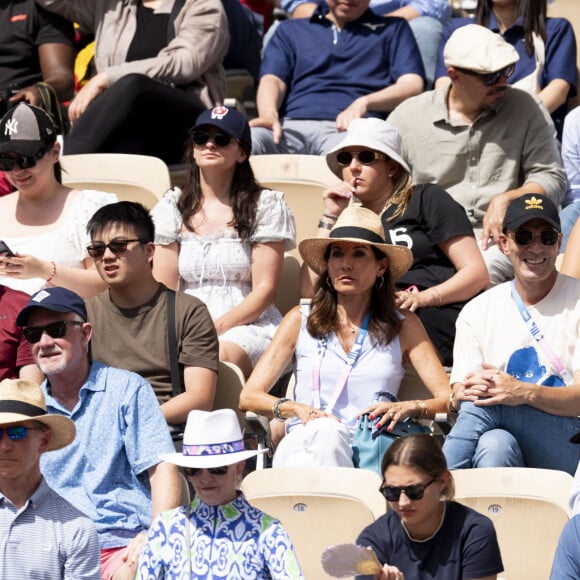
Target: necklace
x,y
432,535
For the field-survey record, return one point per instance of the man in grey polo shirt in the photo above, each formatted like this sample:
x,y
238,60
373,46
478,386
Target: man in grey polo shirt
x,y
41,534
483,141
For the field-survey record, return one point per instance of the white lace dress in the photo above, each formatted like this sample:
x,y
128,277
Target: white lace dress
x,y
217,268
66,244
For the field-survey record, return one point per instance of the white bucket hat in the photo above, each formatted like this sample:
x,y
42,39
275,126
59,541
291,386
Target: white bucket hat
x,y
211,439
373,133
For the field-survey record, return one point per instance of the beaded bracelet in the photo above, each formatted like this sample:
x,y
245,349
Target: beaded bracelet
x,y
52,273
325,225
422,409
276,409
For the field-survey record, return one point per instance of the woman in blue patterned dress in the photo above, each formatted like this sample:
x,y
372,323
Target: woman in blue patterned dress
x,y
223,238
219,535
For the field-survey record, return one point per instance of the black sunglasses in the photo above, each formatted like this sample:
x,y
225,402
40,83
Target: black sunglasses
x,y
413,492
366,157
193,471
220,139
17,432
525,237
55,330
23,161
97,249
491,78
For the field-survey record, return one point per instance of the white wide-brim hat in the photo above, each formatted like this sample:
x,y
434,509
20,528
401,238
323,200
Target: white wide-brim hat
x,y
22,400
373,133
361,226
211,439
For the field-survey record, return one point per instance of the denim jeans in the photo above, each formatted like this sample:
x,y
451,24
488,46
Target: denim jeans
x,y
501,436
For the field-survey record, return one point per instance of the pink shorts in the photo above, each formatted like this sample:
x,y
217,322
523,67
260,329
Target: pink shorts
x,y
111,560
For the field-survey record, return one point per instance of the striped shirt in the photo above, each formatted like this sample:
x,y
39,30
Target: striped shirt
x,y
47,539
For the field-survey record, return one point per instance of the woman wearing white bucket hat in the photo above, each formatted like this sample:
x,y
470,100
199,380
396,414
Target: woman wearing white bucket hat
x,y
447,268
219,535
348,346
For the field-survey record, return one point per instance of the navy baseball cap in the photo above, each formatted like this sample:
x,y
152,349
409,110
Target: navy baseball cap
x,y
26,130
528,207
55,299
230,121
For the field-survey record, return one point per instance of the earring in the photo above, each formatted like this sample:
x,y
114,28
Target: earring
x,y
380,281
391,175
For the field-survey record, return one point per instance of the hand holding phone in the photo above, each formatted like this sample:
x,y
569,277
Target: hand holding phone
x,y
4,249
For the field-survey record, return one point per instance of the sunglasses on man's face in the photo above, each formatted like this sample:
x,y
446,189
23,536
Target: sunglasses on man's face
x,y
525,237
220,139
413,492
23,161
17,432
55,330
366,157
490,79
193,471
118,247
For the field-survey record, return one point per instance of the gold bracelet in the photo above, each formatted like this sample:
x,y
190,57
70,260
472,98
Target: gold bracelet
x,y
422,409
450,407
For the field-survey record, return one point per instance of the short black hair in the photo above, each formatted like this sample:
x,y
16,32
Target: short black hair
x,y
123,213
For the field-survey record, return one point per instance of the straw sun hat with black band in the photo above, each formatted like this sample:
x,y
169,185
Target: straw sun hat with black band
x,y
361,226
22,400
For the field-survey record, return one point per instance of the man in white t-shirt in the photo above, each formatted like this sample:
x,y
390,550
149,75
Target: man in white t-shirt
x,y
516,372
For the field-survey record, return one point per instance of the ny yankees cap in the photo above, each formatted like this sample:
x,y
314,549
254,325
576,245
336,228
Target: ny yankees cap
x,y
230,121
25,130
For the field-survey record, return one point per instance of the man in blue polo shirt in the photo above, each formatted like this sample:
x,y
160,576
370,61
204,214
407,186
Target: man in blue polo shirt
x,y
111,472
318,74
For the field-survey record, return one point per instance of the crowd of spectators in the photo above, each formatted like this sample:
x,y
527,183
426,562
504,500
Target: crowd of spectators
x,y
121,314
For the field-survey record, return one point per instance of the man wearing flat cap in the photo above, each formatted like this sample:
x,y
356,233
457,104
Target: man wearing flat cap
x,y
483,141
516,360
41,534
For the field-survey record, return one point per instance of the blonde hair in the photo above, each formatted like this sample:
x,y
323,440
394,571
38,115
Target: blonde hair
x,y
402,192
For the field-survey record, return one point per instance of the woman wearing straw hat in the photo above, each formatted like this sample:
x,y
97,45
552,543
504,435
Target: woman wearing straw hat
x,y
447,268
219,535
350,344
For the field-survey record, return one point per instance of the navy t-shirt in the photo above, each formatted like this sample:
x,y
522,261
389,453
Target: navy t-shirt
x,y
464,548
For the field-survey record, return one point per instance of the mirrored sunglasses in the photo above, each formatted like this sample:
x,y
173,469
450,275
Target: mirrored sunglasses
x,y
491,78
220,139
55,330
118,247
17,432
525,237
413,492
366,157
193,471
23,161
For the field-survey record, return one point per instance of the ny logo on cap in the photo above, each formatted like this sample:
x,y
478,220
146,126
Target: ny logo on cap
x,y
534,203
11,127
219,112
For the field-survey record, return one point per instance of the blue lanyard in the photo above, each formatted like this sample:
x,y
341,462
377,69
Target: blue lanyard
x,y
538,336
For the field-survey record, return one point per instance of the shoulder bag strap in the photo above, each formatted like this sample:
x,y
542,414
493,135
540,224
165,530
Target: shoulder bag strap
x,y
176,376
